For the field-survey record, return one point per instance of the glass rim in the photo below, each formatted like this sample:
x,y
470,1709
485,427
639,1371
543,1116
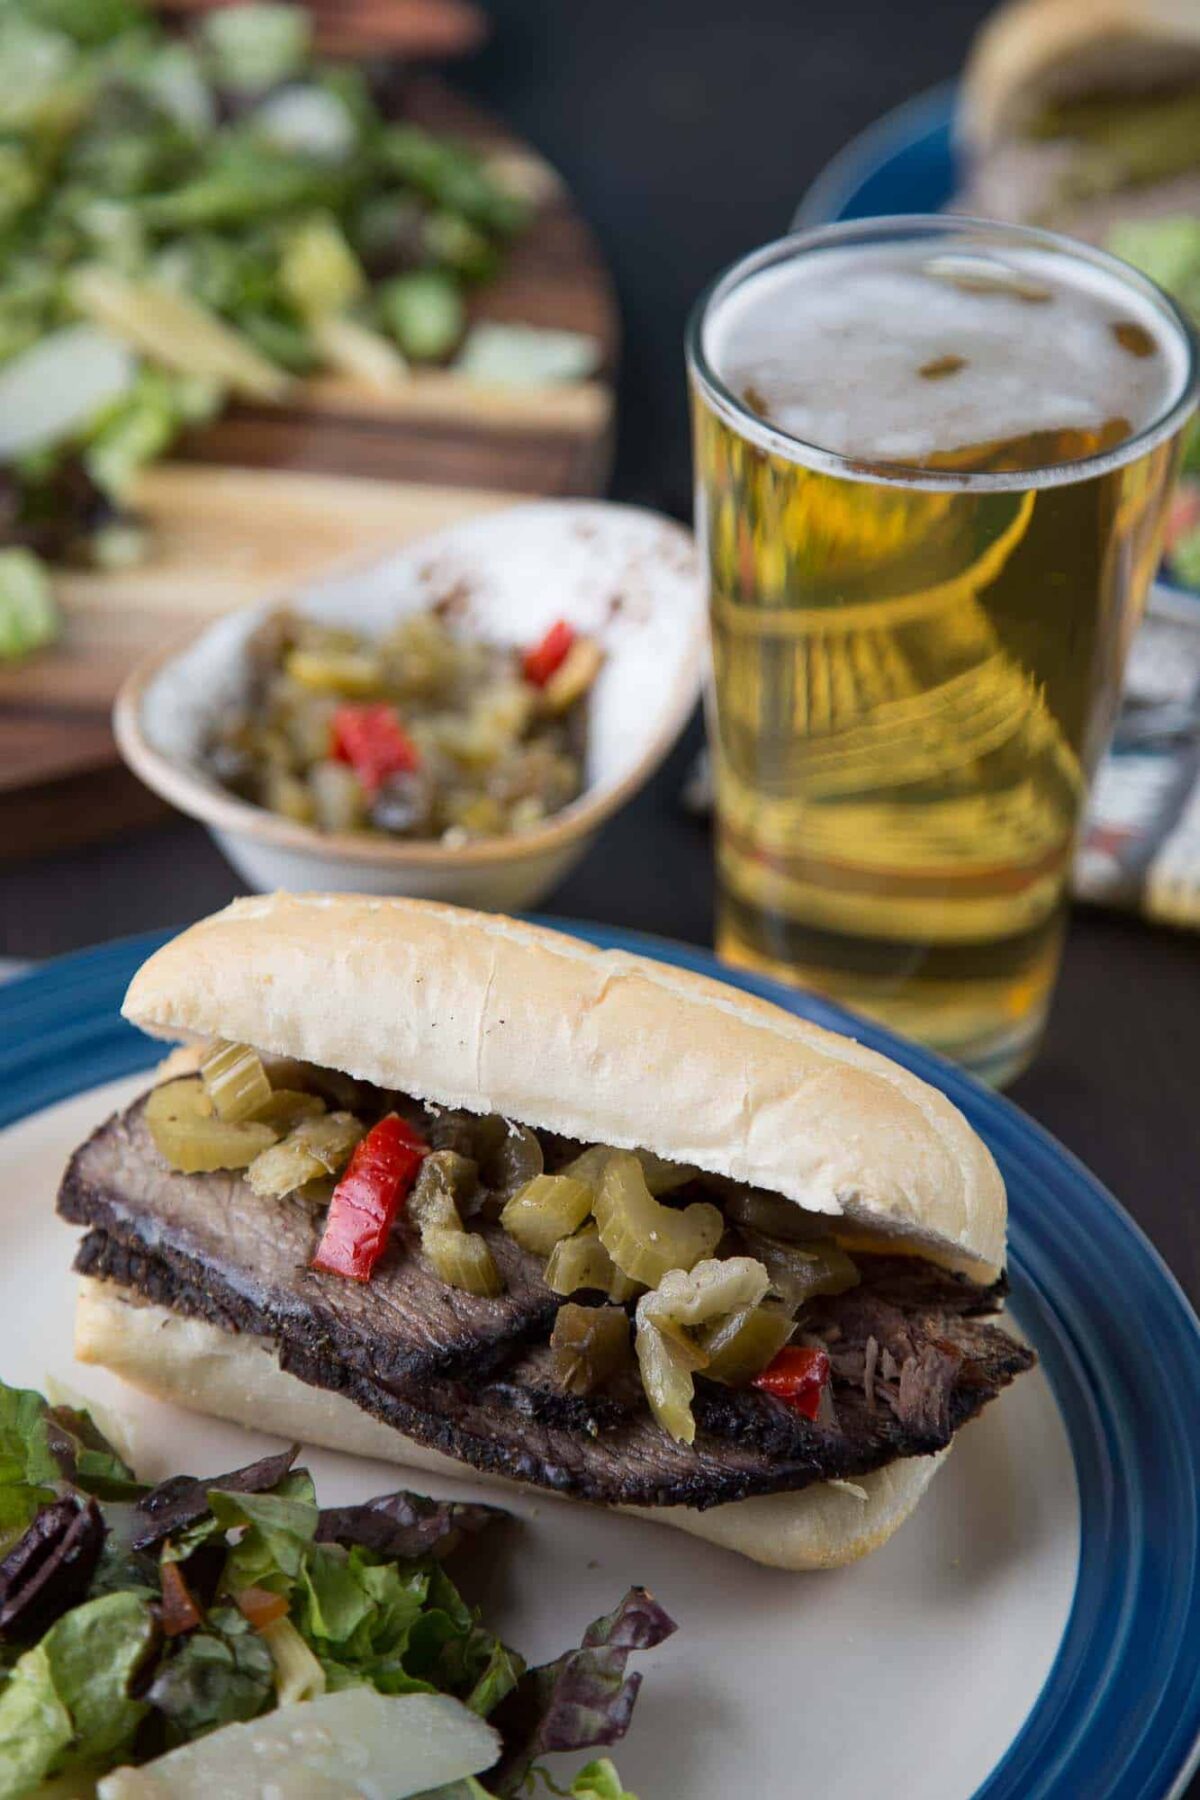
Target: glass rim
x,y
758,431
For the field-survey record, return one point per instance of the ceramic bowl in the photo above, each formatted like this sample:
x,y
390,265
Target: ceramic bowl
x,y
625,576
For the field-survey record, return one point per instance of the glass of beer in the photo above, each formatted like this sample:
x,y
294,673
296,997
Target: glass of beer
x,y
933,458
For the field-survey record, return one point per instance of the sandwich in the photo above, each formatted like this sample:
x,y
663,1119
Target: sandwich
x,y
470,1195
1083,117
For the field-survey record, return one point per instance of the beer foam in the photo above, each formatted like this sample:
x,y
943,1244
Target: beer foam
x,y
829,346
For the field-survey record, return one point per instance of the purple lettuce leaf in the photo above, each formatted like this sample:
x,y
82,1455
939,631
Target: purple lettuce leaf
x,y
583,1698
406,1526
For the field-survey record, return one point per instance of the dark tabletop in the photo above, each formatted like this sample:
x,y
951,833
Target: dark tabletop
x,y
688,130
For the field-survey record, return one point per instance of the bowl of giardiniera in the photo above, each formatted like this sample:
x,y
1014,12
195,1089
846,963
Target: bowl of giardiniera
x,y
453,720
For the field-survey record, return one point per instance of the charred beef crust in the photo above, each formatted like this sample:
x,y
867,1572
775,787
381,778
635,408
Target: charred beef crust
x,y
211,1233
517,1425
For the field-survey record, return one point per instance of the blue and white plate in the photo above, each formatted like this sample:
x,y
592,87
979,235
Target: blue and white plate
x,y
1033,1632
903,163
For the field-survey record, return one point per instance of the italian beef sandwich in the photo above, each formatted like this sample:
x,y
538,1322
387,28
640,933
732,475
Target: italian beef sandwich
x,y
454,1190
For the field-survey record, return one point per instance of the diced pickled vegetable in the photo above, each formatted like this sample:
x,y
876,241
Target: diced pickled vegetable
x,y
574,676
710,1290
760,1210
588,1165
801,1271
374,743
366,1200
591,1347
583,1262
663,1177
336,671
548,1208
315,1147
667,1381
549,654
645,1238
462,1259
446,1181
668,1347
516,1160
743,1344
338,796
235,1081
186,1132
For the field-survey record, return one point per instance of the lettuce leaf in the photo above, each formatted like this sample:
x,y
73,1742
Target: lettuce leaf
x,y
218,1676
280,1527
44,1448
1168,250
584,1698
68,1702
182,1501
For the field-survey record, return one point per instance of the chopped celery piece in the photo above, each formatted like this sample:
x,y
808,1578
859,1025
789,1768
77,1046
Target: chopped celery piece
x,y
312,1149
28,616
174,330
590,1345
357,351
235,1081
254,47
288,1107
188,1134
645,1238
668,1352
502,355
462,1259
52,390
424,312
298,1674
740,1346
568,684
667,1381
801,1271
319,273
548,1208
339,672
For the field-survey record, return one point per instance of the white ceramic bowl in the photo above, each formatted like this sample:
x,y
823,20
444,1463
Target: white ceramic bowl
x,y
625,576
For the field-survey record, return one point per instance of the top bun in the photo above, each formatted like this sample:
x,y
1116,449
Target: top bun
x,y
476,1011
1031,52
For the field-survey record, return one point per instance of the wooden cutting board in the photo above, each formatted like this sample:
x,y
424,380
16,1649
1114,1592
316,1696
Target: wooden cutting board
x,y
268,496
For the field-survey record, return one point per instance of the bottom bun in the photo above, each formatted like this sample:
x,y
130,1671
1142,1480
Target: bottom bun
x,y
237,1377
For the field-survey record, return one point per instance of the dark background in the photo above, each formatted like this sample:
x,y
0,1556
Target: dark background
x,y
688,132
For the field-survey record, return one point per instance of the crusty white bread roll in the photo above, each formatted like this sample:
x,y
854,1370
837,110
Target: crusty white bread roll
x,y
470,1010
473,1010
211,1371
1032,52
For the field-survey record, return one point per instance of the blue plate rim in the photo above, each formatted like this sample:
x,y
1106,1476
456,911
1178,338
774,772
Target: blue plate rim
x,y
1136,1591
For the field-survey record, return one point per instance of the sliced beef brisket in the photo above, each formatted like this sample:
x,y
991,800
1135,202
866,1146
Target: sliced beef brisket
x,y
912,1360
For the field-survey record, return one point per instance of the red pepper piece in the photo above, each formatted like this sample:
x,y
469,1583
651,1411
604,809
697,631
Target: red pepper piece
x,y
796,1377
375,744
368,1197
540,663
260,1607
180,1612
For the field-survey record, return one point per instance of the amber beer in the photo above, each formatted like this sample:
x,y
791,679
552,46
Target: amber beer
x,y
932,462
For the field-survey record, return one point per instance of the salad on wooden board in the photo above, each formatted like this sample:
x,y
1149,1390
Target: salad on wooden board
x,y
198,214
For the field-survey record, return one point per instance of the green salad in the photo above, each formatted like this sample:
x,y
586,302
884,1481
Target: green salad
x,y
185,218
228,1635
